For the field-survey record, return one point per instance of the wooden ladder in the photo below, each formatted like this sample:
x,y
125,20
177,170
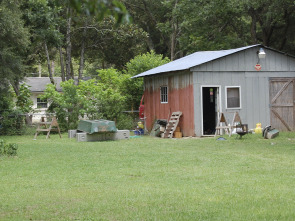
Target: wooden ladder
x,y
172,124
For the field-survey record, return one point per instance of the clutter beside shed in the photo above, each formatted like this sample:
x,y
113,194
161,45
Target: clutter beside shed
x,y
159,128
95,126
242,129
270,133
139,129
172,124
98,130
168,129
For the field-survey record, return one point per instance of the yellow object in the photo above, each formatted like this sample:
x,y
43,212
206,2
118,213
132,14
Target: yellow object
x,y
177,134
140,125
258,129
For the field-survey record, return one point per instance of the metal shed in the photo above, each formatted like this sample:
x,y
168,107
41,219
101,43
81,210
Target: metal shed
x,y
204,84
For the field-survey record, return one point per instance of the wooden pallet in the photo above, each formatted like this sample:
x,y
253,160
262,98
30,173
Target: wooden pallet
x,y
172,124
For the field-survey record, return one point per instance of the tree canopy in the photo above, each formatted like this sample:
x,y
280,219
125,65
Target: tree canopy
x,y
78,38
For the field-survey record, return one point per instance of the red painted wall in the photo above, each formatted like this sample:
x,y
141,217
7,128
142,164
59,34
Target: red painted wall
x,y
180,98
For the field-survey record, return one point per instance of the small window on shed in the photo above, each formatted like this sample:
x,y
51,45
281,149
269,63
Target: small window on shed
x,y
41,103
233,97
164,94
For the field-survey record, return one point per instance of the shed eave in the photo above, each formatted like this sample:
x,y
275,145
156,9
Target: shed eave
x,y
193,60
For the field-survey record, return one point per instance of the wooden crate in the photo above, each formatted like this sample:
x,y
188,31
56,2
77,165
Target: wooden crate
x,y
177,134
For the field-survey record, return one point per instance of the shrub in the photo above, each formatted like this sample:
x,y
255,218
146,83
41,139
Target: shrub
x,y
12,123
8,149
126,122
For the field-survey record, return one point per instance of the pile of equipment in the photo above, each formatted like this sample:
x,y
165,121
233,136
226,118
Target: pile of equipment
x,y
98,130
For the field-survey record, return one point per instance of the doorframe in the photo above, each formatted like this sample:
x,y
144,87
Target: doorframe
x,y
220,106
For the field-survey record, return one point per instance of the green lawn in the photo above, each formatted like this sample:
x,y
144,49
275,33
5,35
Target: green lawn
x,y
149,179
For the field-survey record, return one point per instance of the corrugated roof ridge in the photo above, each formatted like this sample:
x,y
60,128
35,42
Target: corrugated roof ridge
x,y
180,60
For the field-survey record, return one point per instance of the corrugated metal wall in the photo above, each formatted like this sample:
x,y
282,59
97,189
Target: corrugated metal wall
x,y
180,98
238,70
234,70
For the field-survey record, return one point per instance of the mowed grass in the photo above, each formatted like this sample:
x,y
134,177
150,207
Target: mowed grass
x,y
149,179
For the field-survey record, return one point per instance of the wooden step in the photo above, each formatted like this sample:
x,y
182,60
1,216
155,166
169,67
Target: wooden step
x,y
172,124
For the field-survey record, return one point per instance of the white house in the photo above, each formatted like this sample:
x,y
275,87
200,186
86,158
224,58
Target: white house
x,y
37,87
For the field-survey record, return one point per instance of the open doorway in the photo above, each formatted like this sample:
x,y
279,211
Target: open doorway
x,y
210,109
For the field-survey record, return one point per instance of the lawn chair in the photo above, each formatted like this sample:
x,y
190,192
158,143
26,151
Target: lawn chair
x,y
47,126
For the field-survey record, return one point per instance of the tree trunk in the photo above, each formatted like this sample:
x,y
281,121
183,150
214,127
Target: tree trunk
x,y
174,28
48,63
81,67
253,26
72,70
40,70
68,45
173,43
62,67
53,68
15,85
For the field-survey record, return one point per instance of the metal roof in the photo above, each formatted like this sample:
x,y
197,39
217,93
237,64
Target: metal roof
x,y
192,60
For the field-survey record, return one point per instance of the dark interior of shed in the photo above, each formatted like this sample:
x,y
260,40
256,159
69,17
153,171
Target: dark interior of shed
x,y
209,110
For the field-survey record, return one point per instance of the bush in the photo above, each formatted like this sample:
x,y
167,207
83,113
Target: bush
x,y
8,149
126,122
12,123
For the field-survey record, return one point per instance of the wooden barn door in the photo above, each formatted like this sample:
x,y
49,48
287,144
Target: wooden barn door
x,y
282,97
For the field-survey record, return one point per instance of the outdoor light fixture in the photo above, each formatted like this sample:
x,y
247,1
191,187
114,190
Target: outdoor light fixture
x,y
261,53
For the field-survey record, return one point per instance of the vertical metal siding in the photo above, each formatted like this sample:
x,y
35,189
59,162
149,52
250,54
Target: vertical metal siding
x,y
238,70
180,98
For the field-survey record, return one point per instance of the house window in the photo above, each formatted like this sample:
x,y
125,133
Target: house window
x,y
41,103
233,97
164,94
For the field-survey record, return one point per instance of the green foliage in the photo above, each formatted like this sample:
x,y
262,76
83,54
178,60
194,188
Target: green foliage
x,y
8,149
102,8
43,22
111,100
133,87
14,42
24,102
118,44
12,123
144,62
92,99
67,105
126,121
6,101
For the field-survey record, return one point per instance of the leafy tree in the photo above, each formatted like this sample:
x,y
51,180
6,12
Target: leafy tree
x,y
6,101
144,62
272,22
24,102
68,105
148,14
40,16
133,87
102,9
14,41
111,100
111,44
94,99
